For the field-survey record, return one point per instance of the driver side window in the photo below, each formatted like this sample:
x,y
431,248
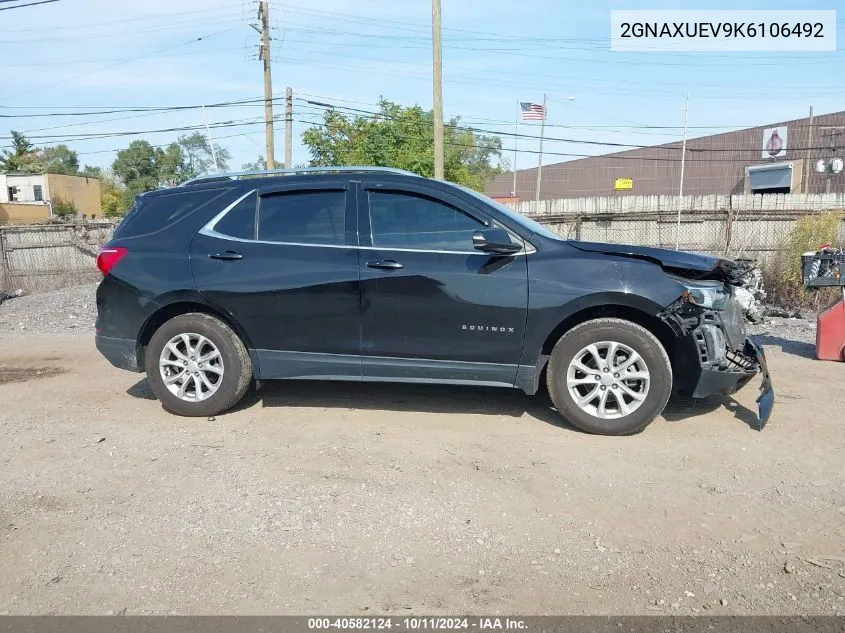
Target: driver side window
x,y
406,220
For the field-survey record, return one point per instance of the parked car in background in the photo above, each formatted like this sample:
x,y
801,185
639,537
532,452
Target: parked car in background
x,y
372,274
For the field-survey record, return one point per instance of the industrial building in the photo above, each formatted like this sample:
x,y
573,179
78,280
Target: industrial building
x,y
797,156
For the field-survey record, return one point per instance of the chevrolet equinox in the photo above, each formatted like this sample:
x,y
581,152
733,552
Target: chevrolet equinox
x,y
375,274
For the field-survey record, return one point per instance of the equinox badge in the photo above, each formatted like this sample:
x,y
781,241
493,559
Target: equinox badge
x,y
488,328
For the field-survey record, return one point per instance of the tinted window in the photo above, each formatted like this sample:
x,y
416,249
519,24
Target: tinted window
x,y
517,217
153,213
306,217
240,220
403,220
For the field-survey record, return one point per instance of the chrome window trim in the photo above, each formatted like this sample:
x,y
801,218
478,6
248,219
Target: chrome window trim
x,y
209,227
208,230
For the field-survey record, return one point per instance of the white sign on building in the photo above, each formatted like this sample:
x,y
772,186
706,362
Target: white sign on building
x,y
774,142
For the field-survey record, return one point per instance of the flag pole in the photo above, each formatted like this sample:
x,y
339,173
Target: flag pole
x,y
540,159
515,137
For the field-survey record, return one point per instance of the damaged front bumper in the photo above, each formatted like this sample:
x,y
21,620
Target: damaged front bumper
x,y
714,356
731,378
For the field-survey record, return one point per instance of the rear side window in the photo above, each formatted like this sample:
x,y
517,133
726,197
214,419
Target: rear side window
x,y
151,214
304,217
240,220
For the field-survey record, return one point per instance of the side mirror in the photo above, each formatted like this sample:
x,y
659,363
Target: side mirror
x,y
495,240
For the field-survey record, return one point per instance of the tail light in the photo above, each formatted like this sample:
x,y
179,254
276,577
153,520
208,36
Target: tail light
x,y
109,257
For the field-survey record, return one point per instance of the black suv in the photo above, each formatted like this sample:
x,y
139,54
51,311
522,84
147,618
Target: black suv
x,y
374,274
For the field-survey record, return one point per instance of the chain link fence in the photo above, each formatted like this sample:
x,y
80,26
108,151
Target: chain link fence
x,y
43,257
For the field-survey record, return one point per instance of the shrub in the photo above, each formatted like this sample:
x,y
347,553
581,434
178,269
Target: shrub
x,y
782,273
63,208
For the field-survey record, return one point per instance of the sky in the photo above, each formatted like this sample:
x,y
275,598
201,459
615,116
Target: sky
x,y
84,56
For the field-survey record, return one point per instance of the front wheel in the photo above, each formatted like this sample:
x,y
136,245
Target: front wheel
x,y
197,366
609,376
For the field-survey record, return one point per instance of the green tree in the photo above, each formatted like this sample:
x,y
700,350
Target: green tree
x,y
258,165
59,159
91,171
142,167
112,200
171,165
26,158
403,137
12,160
197,157
138,168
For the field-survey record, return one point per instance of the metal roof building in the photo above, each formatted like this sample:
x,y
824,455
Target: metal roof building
x,y
774,158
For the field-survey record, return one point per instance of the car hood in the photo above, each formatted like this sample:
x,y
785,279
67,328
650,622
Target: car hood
x,y
681,263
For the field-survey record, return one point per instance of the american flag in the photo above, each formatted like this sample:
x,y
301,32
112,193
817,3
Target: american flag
x,y
532,111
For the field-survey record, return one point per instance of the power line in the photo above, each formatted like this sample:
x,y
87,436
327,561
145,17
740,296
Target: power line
x,y
29,4
116,110
111,33
162,17
93,61
478,80
123,61
480,130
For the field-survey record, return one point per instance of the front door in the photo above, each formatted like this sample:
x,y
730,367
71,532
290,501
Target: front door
x,y
433,308
283,264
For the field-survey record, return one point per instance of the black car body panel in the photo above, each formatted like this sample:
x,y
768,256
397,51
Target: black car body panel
x,y
368,300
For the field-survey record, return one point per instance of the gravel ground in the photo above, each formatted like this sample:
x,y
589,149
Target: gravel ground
x,y
69,311
363,498
790,335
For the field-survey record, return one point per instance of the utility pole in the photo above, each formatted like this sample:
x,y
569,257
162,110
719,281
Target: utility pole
x,y
438,88
805,175
681,186
540,158
289,128
265,56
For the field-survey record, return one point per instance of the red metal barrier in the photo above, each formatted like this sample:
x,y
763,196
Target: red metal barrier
x,y
830,333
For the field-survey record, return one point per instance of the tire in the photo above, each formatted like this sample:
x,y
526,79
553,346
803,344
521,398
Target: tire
x,y
644,386
222,379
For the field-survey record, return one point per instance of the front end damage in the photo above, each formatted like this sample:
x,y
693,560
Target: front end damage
x,y
712,354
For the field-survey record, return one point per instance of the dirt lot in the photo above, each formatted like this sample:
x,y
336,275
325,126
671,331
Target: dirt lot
x,y
362,499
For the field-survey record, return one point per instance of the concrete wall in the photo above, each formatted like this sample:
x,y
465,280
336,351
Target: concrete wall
x,y
83,192
33,213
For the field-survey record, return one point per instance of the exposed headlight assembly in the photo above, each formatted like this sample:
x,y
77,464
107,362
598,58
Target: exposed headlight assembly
x,y
712,295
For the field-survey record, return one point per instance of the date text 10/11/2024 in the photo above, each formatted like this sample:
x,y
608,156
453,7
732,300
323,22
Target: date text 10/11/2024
x,y
418,623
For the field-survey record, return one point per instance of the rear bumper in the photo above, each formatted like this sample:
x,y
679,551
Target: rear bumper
x,y
120,352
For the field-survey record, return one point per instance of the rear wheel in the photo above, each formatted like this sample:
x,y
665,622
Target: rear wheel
x,y
609,376
197,366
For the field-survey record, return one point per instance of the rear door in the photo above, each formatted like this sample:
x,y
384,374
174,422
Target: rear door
x,y
433,307
282,261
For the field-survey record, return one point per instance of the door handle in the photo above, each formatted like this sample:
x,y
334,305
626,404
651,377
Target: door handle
x,y
385,264
226,255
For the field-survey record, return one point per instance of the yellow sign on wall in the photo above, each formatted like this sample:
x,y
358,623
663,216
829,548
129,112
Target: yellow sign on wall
x,y
624,184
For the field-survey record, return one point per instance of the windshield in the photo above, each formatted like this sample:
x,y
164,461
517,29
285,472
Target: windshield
x,y
517,217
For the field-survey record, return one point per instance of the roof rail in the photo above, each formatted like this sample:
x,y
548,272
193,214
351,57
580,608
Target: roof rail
x,y
236,175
